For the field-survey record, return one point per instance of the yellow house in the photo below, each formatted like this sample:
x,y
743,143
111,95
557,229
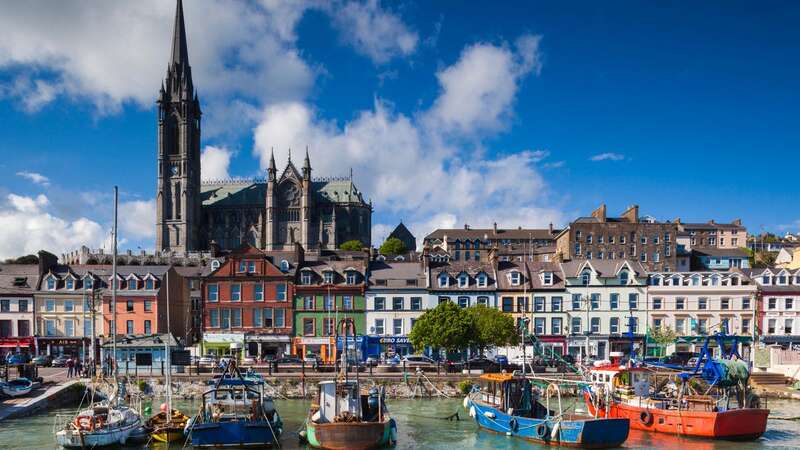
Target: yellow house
x,y
788,258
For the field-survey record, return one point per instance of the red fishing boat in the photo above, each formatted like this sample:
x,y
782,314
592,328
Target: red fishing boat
x,y
624,391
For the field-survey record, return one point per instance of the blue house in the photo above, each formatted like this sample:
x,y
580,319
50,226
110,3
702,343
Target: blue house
x,y
719,259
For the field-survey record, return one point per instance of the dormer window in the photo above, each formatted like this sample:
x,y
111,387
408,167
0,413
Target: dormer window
x,y
623,277
132,284
444,280
782,279
284,265
70,284
676,280
482,280
351,277
149,284
242,266
766,279
51,283
696,280
88,283
547,278
328,277
715,280
305,277
516,278
586,278
463,280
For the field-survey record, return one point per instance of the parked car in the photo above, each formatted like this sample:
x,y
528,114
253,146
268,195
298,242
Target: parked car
x,y
692,361
501,359
482,363
680,358
392,360
60,361
418,360
311,358
287,360
208,360
43,360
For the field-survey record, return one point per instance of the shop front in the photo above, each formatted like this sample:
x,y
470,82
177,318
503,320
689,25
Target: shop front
x,y
552,346
57,346
17,345
266,346
223,344
323,347
377,346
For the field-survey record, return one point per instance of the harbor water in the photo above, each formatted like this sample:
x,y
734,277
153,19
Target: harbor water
x,y
421,427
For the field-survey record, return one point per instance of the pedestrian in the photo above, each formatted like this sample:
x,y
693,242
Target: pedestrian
x,y
70,367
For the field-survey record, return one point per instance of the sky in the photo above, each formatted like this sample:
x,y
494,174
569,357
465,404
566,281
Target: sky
x,y
449,113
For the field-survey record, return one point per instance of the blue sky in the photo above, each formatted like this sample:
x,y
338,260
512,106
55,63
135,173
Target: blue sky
x,y
449,112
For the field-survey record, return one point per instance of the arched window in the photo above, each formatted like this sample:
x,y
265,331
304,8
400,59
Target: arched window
x,y
457,245
467,245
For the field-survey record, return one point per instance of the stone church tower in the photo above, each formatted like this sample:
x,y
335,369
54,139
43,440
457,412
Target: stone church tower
x,y
178,192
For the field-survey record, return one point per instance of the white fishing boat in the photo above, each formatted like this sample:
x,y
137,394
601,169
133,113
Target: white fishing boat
x,y
107,423
17,387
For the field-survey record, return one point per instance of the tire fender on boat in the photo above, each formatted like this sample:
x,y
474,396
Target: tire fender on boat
x,y
646,417
472,412
541,430
513,425
392,432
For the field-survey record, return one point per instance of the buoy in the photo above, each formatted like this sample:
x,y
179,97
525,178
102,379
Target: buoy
x,y
466,402
554,433
163,407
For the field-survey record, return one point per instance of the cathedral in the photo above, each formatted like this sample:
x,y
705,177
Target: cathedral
x,y
272,214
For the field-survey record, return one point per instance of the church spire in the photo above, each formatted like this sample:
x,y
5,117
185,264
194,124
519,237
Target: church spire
x,y
180,52
272,170
307,166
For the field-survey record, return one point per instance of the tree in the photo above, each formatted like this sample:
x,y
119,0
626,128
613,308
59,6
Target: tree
x,y
353,245
447,326
27,259
491,328
663,336
392,246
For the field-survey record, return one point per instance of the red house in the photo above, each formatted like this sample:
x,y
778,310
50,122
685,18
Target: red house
x,y
247,304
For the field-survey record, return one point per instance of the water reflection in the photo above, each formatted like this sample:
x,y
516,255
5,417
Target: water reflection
x,y
421,427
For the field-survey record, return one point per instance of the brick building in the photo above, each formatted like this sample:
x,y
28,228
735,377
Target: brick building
x,y
247,303
628,236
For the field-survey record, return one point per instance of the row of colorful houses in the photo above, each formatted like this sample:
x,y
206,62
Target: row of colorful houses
x,y
256,304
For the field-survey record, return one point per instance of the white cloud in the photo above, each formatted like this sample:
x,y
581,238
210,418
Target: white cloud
x,y
115,52
34,177
373,31
214,163
477,92
28,227
137,219
412,167
608,157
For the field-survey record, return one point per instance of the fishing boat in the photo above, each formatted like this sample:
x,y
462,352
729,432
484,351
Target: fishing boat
x,y
236,412
726,409
509,404
167,428
168,424
105,423
344,417
17,387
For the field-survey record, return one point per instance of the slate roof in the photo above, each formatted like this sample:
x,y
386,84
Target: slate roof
x,y
713,251
489,233
604,267
146,340
18,278
711,226
395,274
249,192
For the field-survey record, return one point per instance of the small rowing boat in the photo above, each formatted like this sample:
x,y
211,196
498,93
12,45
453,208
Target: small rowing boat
x,y
17,387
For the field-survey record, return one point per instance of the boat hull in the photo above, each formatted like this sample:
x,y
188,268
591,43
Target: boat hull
x,y
351,435
97,438
571,432
234,434
18,387
167,431
735,424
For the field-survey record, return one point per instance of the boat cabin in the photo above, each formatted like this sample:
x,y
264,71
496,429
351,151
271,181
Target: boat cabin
x,y
343,402
512,394
234,399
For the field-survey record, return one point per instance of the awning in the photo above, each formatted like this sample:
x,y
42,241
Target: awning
x,y
223,338
268,338
20,344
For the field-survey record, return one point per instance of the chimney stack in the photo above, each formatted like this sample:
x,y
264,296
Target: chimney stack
x,y
600,213
551,228
631,214
495,228
737,222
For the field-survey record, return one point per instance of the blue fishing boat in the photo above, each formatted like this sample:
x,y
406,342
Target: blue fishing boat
x,y
236,413
508,404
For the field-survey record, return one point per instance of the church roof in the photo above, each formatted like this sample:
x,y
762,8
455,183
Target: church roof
x,y
247,192
233,193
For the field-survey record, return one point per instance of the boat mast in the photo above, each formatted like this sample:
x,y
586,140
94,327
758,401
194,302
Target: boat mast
x,y
168,352
114,290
